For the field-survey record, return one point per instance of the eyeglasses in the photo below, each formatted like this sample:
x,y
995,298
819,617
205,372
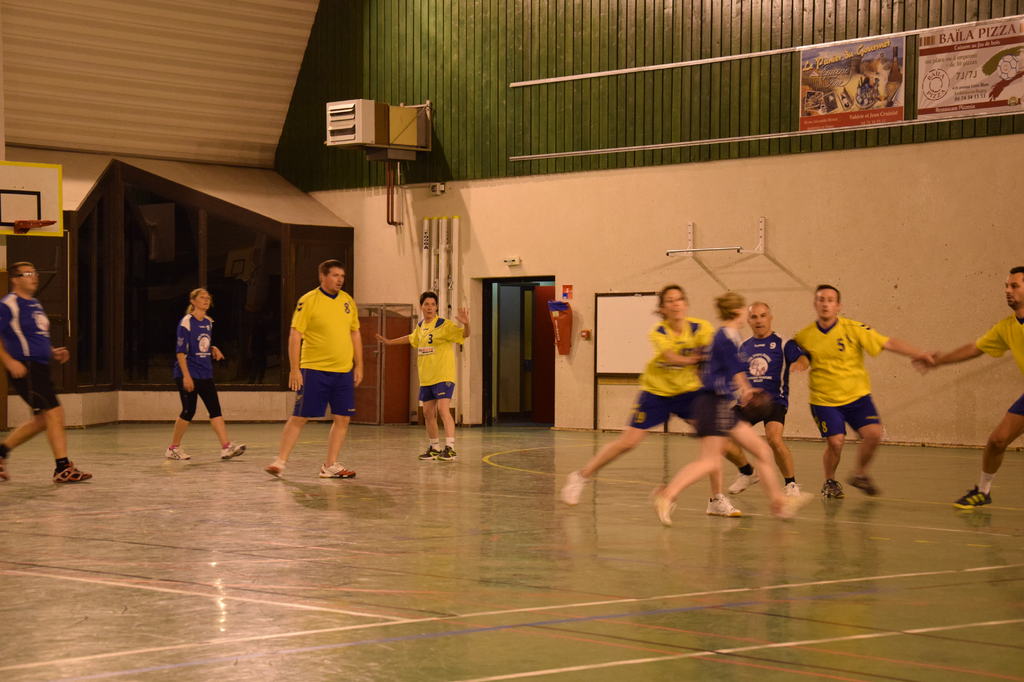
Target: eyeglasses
x,y
27,273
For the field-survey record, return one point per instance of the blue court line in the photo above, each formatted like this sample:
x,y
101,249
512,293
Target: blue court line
x,y
453,633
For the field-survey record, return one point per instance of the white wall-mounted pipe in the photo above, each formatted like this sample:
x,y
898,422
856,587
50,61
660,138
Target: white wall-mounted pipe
x,y
442,279
424,259
432,284
456,304
456,301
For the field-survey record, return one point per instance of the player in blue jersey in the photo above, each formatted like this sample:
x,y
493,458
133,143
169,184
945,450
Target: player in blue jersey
x,y
26,352
769,361
193,374
1005,335
725,388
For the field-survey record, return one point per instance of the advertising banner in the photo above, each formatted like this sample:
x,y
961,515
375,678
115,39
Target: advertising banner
x,y
852,84
976,70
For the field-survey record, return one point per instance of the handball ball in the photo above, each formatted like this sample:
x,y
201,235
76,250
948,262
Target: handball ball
x,y
758,407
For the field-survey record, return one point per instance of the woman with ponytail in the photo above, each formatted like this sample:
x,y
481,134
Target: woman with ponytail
x,y
193,374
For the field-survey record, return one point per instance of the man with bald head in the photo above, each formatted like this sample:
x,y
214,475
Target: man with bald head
x,y
768,363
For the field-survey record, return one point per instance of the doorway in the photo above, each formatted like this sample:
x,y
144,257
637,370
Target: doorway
x,y
519,351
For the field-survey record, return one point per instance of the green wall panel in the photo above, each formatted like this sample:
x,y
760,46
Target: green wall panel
x,y
463,54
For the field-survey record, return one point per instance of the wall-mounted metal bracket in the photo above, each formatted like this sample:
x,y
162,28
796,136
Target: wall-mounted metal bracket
x,y
690,248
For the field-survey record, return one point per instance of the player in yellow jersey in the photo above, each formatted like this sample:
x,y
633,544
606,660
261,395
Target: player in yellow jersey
x,y
326,355
434,340
1005,335
840,388
669,385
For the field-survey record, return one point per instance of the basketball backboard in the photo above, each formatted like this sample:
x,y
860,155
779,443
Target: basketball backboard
x,y
30,198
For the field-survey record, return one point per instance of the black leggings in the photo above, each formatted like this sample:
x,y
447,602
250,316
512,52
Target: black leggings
x,y
205,390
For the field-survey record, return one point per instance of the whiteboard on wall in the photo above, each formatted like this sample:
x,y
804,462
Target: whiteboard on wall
x,y
621,327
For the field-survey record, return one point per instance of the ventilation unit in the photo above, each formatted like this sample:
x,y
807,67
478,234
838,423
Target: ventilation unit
x,y
357,122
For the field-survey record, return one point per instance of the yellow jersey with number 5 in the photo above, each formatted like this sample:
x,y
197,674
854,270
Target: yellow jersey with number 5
x,y
1005,335
664,379
435,350
838,376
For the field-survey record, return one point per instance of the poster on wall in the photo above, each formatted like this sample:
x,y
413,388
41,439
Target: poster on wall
x,y
852,84
976,70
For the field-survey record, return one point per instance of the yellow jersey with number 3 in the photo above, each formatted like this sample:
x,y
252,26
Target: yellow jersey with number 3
x,y
326,323
838,376
1005,335
435,350
664,379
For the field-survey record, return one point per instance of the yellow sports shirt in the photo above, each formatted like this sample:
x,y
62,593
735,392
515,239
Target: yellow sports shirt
x,y
663,379
435,350
1005,335
326,324
838,376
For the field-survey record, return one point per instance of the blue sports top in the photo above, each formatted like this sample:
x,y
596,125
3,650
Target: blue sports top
x,y
195,340
25,329
768,362
724,362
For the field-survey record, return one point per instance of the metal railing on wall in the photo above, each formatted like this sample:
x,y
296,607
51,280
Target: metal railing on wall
x,y
755,55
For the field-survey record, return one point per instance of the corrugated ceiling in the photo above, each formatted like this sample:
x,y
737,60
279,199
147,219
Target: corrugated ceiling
x,y
197,80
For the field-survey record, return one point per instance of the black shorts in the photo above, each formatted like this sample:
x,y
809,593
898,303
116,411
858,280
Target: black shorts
x,y
36,387
715,415
777,413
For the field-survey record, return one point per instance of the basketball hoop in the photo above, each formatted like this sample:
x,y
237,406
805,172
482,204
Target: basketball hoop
x,y
23,226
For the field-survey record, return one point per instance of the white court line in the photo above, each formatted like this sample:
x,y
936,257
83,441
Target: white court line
x,y
838,581
758,647
207,595
301,633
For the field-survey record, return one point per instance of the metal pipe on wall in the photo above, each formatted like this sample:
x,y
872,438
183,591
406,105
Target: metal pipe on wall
x,y
442,280
424,259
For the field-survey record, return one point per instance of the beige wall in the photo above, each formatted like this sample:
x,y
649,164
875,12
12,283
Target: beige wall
x,y
918,237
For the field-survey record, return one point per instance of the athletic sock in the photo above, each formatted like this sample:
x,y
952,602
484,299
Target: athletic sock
x,y
62,464
224,445
450,442
790,479
985,482
4,451
435,443
747,470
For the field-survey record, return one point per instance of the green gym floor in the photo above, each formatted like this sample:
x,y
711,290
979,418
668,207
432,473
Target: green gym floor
x,y
473,570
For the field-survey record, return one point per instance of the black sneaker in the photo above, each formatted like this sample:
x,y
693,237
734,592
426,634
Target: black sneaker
x,y
430,454
832,489
864,483
447,455
972,499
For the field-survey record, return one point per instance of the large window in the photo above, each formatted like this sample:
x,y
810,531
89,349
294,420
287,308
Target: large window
x,y
140,245
243,274
92,356
161,266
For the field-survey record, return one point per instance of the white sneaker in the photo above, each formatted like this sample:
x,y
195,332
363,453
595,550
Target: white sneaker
x,y
743,482
573,488
663,507
792,505
232,450
719,505
176,453
336,470
275,468
791,490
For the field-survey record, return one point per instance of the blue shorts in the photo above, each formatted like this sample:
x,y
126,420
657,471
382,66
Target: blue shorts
x,y
832,421
1018,407
653,410
445,389
716,414
320,389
